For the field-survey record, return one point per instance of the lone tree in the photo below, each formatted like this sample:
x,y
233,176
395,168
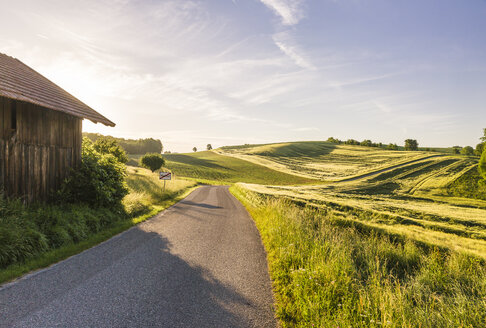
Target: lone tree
x,y
194,149
468,151
411,144
152,161
209,147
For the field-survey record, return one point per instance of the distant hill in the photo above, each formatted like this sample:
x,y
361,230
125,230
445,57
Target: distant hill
x,y
209,165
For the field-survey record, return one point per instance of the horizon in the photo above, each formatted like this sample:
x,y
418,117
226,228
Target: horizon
x,y
192,73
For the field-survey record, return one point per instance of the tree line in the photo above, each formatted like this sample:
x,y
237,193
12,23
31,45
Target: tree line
x,y
410,144
132,146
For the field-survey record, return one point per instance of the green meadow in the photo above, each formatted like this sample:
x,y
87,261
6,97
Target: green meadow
x,y
209,165
369,238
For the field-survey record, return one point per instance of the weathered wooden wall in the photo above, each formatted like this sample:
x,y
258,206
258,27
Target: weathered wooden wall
x,y
38,154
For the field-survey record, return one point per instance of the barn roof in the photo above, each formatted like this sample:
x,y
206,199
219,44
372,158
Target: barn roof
x,y
19,81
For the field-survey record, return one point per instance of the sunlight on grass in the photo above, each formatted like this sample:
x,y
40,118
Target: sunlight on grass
x,y
329,270
208,165
321,160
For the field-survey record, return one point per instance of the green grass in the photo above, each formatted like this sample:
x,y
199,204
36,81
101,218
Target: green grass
x,y
210,166
469,185
39,235
329,270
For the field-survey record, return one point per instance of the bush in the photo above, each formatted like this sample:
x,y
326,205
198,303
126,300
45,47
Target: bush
x,y
152,161
108,145
100,181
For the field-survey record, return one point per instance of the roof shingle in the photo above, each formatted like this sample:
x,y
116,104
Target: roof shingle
x,y
20,82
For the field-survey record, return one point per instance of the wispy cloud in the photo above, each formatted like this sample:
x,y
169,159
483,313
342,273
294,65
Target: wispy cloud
x,y
290,11
286,44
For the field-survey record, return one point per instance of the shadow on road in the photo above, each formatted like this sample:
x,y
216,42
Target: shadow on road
x,y
131,281
204,205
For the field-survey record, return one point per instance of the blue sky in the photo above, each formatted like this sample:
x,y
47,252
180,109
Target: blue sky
x,y
253,71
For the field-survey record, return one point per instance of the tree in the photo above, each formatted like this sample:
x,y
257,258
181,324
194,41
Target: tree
x,y
366,143
482,164
351,142
152,161
411,144
483,138
479,149
333,140
456,149
209,147
392,147
194,149
108,145
468,151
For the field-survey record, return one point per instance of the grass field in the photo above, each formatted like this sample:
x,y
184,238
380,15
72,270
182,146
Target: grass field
x,y
208,165
329,268
359,236
322,160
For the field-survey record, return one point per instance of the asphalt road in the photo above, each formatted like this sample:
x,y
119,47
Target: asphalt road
x,y
200,263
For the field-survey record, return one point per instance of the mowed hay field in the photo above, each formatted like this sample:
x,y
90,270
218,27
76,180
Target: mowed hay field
x,y
322,160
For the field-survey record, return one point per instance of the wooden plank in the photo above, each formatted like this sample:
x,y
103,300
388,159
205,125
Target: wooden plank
x,y
2,111
2,165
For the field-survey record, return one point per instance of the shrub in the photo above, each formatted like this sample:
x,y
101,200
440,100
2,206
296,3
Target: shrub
x,y
100,181
152,161
108,145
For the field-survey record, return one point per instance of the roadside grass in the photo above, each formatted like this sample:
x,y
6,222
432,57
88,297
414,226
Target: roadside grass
x,y
210,166
329,270
39,235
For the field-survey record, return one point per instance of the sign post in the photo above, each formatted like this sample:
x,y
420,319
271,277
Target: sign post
x,y
165,176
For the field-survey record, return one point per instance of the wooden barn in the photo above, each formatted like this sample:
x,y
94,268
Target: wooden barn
x,y
40,131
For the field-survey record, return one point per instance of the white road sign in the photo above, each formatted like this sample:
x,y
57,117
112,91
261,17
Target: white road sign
x,y
165,176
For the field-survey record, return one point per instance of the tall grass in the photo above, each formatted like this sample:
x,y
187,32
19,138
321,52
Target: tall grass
x,y
328,271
